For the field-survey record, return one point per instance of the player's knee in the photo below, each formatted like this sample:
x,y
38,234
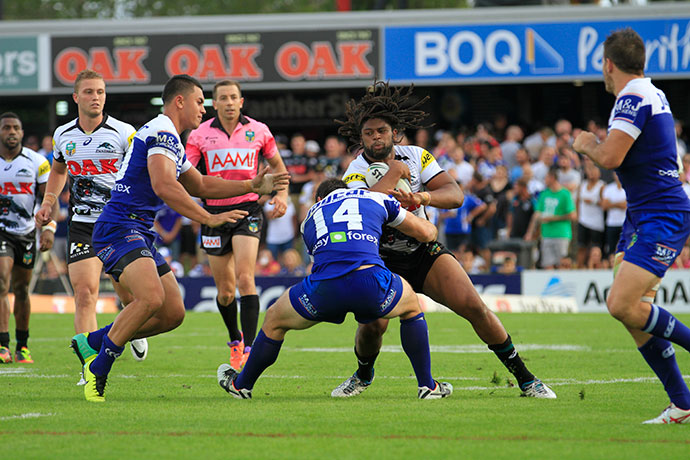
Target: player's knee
x,y
225,297
21,292
245,282
176,317
4,286
617,309
373,330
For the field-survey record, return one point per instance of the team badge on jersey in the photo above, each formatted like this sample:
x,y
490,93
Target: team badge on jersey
x,y
249,136
71,148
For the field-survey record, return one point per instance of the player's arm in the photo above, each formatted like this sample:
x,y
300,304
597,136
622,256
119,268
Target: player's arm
x,y
52,189
420,229
47,237
204,186
279,201
608,154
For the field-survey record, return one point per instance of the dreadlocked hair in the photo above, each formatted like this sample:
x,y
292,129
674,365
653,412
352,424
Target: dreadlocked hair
x,y
382,101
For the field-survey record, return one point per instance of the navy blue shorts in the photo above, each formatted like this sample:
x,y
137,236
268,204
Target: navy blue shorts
x,y
118,245
370,294
653,240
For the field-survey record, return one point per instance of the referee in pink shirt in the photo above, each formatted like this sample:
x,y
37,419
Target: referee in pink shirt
x,y
230,145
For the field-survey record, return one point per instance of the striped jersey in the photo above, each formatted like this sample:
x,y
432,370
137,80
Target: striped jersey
x,y
92,161
19,180
231,156
133,198
343,230
651,168
423,167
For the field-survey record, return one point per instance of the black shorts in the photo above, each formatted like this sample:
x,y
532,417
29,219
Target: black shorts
x,y
79,244
218,241
415,266
587,237
21,248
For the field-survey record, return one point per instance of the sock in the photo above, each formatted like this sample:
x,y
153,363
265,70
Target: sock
x,y
365,369
95,338
229,314
5,339
249,317
661,357
22,338
106,357
264,353
510,358
414,336
664,325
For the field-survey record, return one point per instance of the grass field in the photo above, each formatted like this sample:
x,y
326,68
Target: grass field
x,y
170,406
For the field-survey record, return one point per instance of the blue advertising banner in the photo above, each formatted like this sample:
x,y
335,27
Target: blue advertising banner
x,y
527,52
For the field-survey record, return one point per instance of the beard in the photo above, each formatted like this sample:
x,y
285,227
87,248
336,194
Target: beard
x,y
11,144
381,155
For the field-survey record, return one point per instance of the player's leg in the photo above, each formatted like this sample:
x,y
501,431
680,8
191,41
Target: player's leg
x,y
448,284
280,318
6,265
85,275
21,278
223,271
245,249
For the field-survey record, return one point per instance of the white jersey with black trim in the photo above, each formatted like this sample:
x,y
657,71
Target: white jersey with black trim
x,y
423,167
92,161
19,180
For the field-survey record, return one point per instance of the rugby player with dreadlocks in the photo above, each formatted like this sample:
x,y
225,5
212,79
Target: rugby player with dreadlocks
x,y
375,125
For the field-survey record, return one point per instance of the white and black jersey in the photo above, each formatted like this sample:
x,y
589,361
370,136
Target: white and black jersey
x,y
19,180
423,167
92,161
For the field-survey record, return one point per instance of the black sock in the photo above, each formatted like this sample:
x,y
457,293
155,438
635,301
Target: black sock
x,y
510,358
5,339
249,317
365,369
22,338
229,314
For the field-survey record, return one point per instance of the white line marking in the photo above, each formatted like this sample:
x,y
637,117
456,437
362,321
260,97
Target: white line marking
x,y
27,415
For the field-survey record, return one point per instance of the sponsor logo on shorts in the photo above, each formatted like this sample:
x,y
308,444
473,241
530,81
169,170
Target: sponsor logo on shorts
x,y
389,299
105,253
210,241
135,237
253,224
27,258
434,249
633,240
304,300
146,253
664,254
79,249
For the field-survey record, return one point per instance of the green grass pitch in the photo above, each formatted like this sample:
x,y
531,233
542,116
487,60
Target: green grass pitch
x,y
170,405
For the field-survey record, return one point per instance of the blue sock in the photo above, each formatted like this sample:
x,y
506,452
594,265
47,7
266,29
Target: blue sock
x,y
106,357
661,357
264,353
663,324
95,338
414,336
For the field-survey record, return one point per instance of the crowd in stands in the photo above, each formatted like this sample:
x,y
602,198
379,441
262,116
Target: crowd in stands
x,y
506,177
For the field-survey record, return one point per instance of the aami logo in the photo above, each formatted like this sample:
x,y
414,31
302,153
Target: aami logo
x,y
210,241
10,188
231,159
89,168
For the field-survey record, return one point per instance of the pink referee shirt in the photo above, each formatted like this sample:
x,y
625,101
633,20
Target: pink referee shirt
x,y
236,157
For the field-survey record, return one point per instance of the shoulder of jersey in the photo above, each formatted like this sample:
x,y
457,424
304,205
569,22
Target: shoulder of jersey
x,y
119,124
409,149
62,128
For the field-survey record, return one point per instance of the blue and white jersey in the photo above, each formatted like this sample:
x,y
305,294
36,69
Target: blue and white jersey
x,y
650,171
342,232
132,197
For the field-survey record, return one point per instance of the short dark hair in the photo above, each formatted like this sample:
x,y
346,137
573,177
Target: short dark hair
x,y
9,115
86,74
625,48
179,84
226,83
329,185
553,171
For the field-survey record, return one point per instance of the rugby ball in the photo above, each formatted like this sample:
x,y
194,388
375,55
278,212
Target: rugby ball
x,y
377,170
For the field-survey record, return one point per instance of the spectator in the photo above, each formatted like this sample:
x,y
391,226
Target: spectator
x,y
590,220
458,222
167,226
456,165
472,263
47,147
535,142
281,231
508,265
521,210
521,159
569,177
554,213
31,142
481,228
296,163
492,159
501,187
595,261
175,266
422,139
335,148
563,134
683,259
292,264
266,265
511,145
546,160
681,146
613,201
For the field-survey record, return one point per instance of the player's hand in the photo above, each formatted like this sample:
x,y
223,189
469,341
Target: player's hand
x,y
279,207
43,215
264,183
409,201
400,169
216,220
584,142
46,241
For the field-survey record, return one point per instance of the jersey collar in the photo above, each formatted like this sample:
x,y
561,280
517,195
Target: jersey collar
x,y
216,123
101,124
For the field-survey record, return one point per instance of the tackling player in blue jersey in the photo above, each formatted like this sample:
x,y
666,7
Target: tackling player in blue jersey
x,y
155,170
342,232
641,146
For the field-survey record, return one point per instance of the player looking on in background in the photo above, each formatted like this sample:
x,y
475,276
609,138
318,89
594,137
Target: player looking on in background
x,y
89,150
641,147
155,170
377,123
229,146
23,174
342,232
